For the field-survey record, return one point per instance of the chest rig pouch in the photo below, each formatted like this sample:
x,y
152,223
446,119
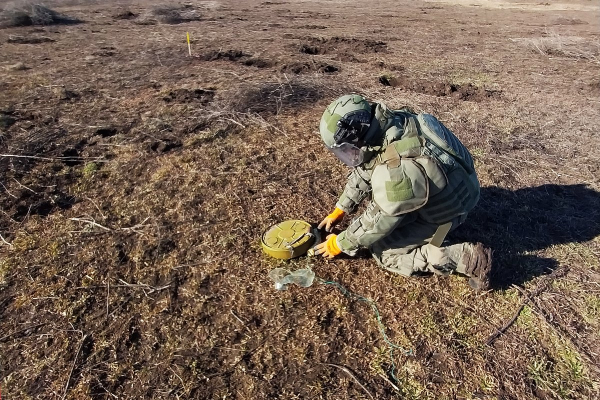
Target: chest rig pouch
x,y
399,180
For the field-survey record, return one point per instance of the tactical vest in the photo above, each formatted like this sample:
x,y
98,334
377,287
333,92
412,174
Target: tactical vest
x,y
427,149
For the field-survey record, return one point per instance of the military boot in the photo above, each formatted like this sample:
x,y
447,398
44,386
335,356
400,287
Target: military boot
x,y
476,264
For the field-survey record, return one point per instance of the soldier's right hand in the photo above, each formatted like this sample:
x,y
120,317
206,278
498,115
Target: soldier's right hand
x,y
332,219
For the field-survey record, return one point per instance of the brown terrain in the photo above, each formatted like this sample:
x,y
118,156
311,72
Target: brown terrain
x,y
135,183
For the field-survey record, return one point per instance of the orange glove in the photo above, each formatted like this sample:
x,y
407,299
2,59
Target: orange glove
x,y
328,248
332,219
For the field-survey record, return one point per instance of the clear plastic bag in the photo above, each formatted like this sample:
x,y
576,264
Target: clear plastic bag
x,y
282,277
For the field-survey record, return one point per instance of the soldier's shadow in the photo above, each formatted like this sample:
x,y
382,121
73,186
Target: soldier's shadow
x,y
515,223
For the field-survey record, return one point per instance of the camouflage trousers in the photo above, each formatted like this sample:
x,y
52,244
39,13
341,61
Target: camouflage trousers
x,y
407,251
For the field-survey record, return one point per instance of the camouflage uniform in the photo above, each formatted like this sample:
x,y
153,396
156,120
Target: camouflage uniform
x,y
420,178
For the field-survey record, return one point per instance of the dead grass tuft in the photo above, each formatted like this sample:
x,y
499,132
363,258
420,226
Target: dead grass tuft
x,y
557,45
28,14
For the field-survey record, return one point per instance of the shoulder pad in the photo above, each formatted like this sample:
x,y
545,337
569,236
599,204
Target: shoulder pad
x,y
401,187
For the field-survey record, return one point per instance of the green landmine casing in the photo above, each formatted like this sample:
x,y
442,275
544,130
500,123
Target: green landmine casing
x,y
288,239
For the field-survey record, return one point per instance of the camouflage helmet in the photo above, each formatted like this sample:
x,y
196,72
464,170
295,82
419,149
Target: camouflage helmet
x,y
346,106
343,128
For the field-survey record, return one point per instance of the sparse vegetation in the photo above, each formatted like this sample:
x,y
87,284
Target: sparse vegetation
x,y
90,169
135,182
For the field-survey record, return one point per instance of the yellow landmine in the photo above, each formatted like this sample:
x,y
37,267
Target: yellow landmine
x,y
288,239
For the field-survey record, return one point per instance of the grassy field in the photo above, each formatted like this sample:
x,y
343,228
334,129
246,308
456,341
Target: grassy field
x,y
135,182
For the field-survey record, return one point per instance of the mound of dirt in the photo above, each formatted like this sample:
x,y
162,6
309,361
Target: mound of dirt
x,y
301,67
170,15
202,96
29,39
337,45
6,120
231,55
238,56
258,62
311,27
568,21
463,92
595,87
165,145
124,14
33,14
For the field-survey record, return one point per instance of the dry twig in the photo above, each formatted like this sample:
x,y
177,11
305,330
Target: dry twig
x,y
54,159
9,193
346,370
385,378
561,331
89,221
542,286
73,366
2,339
239,319
4,240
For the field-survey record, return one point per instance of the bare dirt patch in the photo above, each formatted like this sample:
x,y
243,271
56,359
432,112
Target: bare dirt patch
x,y
270,98
301,67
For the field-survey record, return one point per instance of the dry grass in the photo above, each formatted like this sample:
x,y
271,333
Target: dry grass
x,y
129,258
556,45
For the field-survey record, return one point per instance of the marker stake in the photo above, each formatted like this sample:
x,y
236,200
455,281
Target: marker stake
x,y
188,42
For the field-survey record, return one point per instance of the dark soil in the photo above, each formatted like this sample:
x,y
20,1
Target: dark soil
x,y
258,63
6,120
29,39
202,96
124,14
312,27
337,45
468,92
230,55
301,67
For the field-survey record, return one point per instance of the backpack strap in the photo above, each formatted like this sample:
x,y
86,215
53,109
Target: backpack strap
x,y
409,146
440,234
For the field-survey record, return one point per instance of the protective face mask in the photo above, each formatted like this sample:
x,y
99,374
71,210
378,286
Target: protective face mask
x,y
348,153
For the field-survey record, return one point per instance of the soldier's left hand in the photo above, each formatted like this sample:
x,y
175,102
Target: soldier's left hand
x,y
329,247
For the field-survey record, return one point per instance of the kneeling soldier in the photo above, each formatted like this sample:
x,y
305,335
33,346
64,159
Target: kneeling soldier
x,y
422,183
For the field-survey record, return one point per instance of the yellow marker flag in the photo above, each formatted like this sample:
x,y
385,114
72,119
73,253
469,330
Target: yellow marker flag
x,y
188,42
